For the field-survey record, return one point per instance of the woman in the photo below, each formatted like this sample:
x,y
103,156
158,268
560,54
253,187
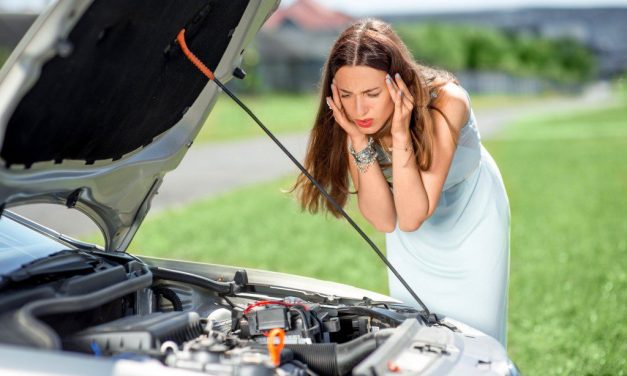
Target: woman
x,y
406,135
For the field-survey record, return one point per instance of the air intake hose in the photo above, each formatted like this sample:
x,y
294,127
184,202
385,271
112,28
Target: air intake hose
x,y
332,359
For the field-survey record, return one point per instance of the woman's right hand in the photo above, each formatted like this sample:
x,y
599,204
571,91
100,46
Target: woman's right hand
x,y
335,104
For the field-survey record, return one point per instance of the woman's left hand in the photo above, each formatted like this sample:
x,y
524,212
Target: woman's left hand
x,y
403,104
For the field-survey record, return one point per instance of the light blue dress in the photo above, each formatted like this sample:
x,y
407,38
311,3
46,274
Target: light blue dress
x,y
458,260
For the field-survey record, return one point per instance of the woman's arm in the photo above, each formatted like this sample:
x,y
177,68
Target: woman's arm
x,y
374,197
416,193
373,194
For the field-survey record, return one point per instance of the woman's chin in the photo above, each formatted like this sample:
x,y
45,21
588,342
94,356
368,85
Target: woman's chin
x,y
369,130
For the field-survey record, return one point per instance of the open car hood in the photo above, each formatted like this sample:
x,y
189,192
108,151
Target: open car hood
x,y
97,102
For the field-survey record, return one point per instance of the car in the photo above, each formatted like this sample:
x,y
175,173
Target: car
x,y
97,103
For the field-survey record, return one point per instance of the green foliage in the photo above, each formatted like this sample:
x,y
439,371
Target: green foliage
x,y
534,56
577,63
250,64
562,59
489,49
620,87
433,45
462,47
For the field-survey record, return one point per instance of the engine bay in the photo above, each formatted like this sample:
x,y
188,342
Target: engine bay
x,y
114,306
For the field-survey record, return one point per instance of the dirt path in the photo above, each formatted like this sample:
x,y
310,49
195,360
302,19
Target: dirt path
x,y
211,169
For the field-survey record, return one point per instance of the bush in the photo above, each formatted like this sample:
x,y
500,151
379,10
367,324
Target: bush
x,y
457,48
433,45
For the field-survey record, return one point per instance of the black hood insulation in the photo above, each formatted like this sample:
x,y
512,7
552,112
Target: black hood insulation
x,y
115,88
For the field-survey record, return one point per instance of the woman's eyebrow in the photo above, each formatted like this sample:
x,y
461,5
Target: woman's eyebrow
x,y
365,91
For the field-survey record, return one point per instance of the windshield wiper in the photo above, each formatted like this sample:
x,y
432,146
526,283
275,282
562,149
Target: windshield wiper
x,y
427,316
68,261
78,244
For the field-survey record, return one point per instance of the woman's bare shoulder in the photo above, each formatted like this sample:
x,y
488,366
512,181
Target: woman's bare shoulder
x,y
451,100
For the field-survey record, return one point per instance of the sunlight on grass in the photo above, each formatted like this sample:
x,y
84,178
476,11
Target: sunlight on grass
x,y
281,113
262,227
580,124
568,200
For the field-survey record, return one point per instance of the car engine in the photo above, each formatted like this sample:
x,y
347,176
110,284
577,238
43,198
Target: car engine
x,y
114,306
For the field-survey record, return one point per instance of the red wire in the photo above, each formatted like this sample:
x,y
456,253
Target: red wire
x,y
190,55
265,302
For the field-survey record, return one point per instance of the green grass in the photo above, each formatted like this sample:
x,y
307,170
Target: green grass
x,y
281,113
566,178
292,113
262,227
567,181
584,125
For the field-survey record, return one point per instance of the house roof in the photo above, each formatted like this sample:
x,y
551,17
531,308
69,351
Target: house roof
x,y
308,15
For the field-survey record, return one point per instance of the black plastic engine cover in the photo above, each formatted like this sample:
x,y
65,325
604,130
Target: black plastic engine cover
x,y
136,333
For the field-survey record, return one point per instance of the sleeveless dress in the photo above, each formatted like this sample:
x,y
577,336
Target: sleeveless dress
x,y
457,262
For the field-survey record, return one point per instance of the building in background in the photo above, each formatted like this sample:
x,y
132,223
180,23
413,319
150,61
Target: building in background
x,y
294,43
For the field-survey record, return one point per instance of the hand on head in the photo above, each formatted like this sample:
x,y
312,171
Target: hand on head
x,y
403,103
335,104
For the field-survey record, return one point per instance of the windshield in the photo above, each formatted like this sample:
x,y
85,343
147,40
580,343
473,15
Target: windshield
x,y
20,245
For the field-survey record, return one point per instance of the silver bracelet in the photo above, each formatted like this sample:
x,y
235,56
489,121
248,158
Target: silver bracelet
x,y
364,158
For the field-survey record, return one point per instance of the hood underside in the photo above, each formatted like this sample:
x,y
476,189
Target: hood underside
x,y
98,102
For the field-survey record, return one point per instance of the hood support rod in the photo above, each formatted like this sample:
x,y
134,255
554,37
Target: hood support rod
x,y
426,315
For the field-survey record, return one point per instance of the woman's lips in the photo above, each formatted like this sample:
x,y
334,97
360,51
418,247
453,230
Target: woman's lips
x,y
366,123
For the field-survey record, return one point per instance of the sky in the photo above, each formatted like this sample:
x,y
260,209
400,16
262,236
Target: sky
x,y
365,7
375,7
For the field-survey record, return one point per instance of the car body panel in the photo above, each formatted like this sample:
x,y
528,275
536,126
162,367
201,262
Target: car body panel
x,y
101,188
331,291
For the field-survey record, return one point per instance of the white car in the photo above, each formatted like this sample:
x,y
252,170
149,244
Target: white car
x,y
98,102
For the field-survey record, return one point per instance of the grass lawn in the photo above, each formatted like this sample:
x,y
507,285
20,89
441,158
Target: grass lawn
x,y
290,113
281,113
567,182
263,228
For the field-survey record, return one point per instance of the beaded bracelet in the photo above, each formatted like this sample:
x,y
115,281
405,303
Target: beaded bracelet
x,y
407,147
365,157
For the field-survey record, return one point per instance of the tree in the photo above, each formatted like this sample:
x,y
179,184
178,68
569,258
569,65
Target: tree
x,y
458,47
434,44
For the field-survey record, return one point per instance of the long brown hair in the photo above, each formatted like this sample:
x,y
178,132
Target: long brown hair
x,y
373,43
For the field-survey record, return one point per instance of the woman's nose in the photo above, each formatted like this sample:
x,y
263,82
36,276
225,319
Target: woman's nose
x,y
360,107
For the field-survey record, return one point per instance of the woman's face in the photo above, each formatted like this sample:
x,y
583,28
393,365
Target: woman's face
x,y
364,96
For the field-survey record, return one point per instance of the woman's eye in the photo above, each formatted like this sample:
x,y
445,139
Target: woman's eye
x,y
374,95
344,96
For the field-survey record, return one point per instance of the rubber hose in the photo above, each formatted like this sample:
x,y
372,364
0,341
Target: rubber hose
x,y
331,359
170,295
320,357
175,275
